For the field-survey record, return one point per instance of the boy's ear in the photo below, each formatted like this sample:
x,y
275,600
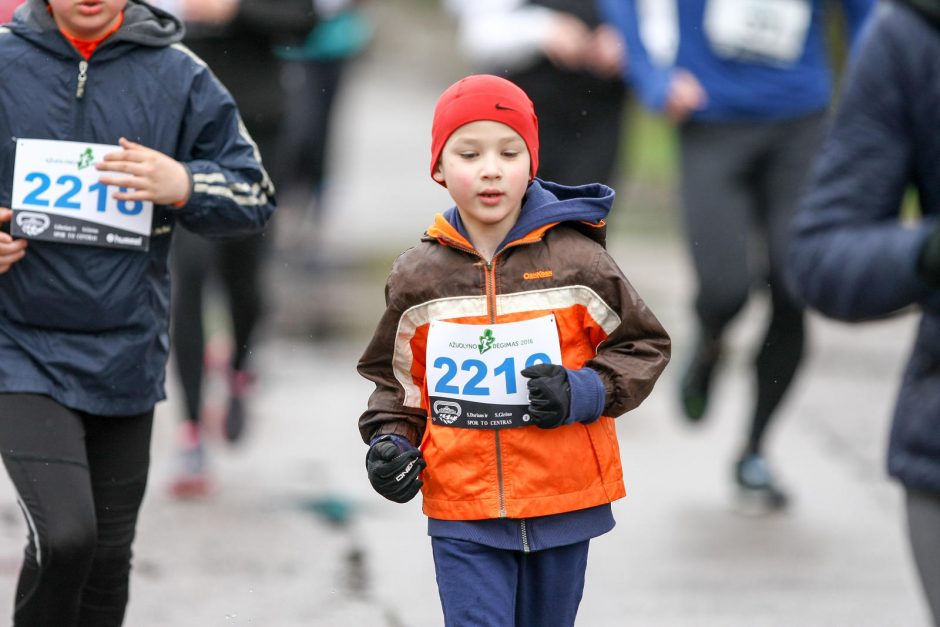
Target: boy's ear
x,y
439,174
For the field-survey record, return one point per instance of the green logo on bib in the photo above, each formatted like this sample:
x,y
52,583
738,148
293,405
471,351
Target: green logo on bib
x,y
86,159
486,341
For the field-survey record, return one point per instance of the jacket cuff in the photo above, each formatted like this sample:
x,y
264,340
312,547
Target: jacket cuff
x,y
179,204
400,429
402,443
587,396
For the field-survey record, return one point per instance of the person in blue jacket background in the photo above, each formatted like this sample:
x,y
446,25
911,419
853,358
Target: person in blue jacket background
x,y
854,258
84,329
747,83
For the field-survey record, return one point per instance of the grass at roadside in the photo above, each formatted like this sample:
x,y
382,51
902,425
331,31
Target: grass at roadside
x,y
646,191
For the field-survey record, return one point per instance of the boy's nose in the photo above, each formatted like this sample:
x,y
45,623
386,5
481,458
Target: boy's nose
x,y
491,168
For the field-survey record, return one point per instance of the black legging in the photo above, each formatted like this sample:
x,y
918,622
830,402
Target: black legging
x,y
237,264
301,159
738,180
923,520
80,480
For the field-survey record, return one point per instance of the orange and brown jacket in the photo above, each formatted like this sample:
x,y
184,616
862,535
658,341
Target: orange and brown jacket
x,y
557,265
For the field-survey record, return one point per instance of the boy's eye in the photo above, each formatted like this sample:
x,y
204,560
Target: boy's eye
x,y
467,154
510,153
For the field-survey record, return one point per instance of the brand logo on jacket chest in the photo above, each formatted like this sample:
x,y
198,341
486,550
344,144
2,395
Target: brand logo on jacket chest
x,y
538,274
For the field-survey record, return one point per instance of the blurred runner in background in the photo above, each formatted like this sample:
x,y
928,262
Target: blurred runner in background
x,y
747,84
236,39
569,62
313,74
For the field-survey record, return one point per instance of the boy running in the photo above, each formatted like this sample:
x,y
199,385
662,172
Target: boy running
x,y
510,341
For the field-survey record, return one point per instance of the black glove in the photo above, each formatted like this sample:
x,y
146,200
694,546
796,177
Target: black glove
x,y
928,264
393,470
549,395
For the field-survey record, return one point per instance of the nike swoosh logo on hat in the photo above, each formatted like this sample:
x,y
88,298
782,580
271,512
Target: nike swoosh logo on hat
x,y
500,107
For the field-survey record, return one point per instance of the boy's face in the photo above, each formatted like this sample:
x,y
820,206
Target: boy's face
x,y
485,167
86,19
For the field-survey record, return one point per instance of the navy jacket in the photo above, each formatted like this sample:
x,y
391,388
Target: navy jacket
x,y
852,258
89,326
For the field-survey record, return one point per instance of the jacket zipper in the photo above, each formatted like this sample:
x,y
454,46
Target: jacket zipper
x,y
82,77
525,536
499,476
489,280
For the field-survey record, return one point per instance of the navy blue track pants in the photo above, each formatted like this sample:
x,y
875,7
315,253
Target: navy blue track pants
x,y
487,587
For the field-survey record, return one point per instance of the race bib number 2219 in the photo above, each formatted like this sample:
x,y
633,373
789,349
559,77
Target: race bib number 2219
x,y
473,371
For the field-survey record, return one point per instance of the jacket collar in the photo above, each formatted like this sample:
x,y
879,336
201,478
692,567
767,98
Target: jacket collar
x,y
546,205
143,25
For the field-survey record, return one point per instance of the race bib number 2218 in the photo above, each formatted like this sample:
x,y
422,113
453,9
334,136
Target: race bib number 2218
x,y
57,197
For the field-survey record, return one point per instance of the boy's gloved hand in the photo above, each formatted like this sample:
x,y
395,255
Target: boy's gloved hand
x,y
393,465
549,394
929,261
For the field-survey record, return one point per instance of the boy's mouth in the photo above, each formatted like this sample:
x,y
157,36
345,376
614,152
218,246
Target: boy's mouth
x,y
490,196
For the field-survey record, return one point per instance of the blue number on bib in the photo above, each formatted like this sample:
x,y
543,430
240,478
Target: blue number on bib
x,y
508,370
102,190
64,200
450,366
471,388
135,208
537,358
74,184
33,197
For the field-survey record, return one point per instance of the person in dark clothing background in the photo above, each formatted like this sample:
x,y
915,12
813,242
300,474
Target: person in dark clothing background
x,y
569,63
314,72
854,258
747,85
236,39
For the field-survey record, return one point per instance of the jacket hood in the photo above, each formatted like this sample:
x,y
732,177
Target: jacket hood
x,y
929,9
143,25
548,203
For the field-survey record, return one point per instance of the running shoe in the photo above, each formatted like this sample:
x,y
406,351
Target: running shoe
x,y
192,478
696,381
756,484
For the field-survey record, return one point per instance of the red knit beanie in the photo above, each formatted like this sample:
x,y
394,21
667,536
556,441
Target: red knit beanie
x,y
484,97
